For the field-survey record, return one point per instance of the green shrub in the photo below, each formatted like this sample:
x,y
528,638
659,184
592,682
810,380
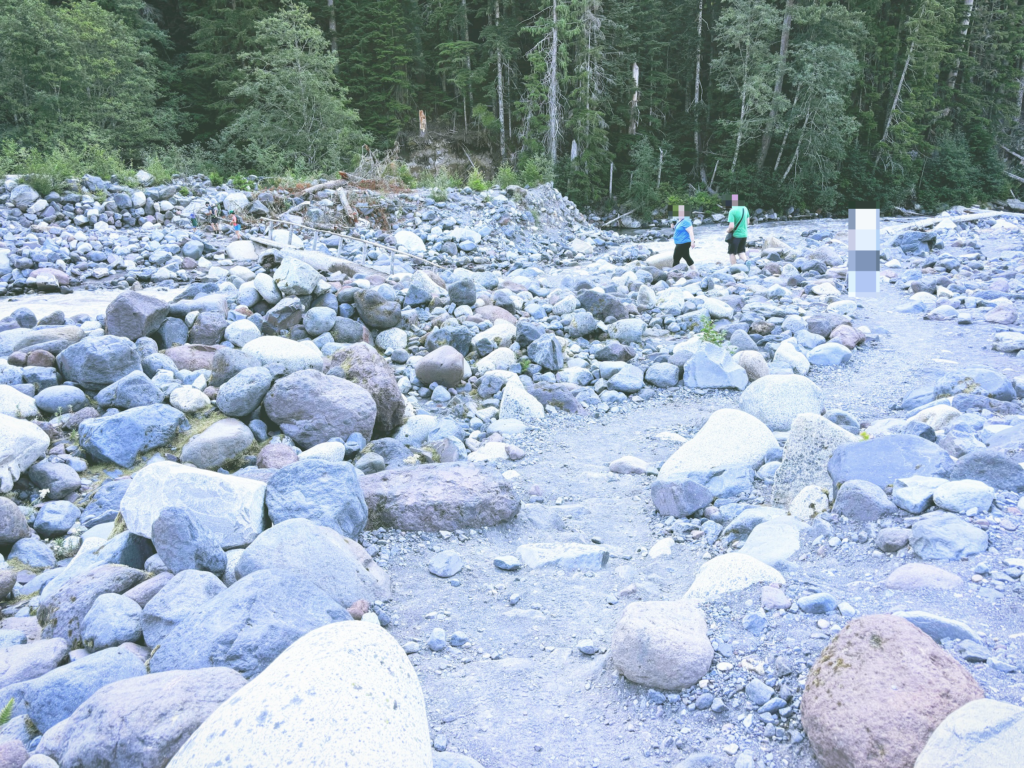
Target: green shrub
x,y
537,170
709,333
241,182
476,181
41,183
507,176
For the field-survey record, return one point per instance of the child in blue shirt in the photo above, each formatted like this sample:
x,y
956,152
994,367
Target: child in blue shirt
x,y
683,238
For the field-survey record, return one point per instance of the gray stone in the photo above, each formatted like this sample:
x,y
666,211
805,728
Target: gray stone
x,y
939,628
247,625
55,518
133,391
339,663
296,278
820,602
992,467
184,543
54,696
362,365
106,503
21,663
181,594
98,361
120,438
134,315
112,620
311,407
662,644
982,733
243,393
730,482
774,541
33,553
222,443
758,692
830,354
284,355
679,498
445,365
63,609
228,363
229,506
22,444
728,438
663,375
139,722
812,442
883,460
144,592
862,501
377,312
914,494
61,399
569,557
445,564
58,479
778,399
963,495
629,379
713,367
945,536
975,381
546,352
326,492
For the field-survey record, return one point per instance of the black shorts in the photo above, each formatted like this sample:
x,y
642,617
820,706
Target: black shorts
x,y
682,251
737,245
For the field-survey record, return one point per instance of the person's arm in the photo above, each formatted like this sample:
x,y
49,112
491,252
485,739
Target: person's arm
x,y
732,224
693,242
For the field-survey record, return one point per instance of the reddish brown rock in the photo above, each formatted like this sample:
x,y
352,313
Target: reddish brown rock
x,y
275,456
494,313
922,576
877,692
445,365
847,335
363,365
41,359
192,357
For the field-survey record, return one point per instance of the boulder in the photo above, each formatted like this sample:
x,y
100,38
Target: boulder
x,y
753,363
713,367
878,691
13,525
222,443
729,437
133,391
311,408
732,572
975,381
830,354
21,663
922,576
145,591
376,715
774,541
377,312
20,338
134,315
434,497
362,365
517,403
662,644
883,460
98,361
325,492
812,441
963,495
54,696
445,365
946,536
139,722
58,479
546,352
338,565
990,466
181,594
982,733
22,444
192,357
106,502
629,380
296,278
184,543
675,498
243,393
284,356
62,610
247,625
779,398
17,404
112,620
230,507
120,438
862,502
55,518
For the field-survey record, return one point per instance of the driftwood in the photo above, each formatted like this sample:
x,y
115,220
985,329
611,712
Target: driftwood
x,y
321,187
620,216
926,223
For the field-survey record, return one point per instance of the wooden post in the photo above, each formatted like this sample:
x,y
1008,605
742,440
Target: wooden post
x,y
423,123
291,230
611,173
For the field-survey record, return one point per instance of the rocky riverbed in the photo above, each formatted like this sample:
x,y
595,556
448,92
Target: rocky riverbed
x,y
518,493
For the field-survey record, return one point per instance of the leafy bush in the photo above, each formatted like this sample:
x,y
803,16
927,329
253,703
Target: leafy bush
x,y
709,333
39,182
476,181
507,176
241,182
537,170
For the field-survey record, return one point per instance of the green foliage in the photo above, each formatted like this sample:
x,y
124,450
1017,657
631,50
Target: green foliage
x,y
241,182
709,333
7,712
41,183
297,117
507,176
439,183
476,181
537,170
50,168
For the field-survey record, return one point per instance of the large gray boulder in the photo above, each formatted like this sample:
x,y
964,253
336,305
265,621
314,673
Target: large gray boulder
x,y
296,278
311,408
284,356
445,365
728,438
22,444
55,518
134,315
21,663
112,620
862,502
713,367
139,722
54,696
975,381
361,364
184,593
325,492
992,467
133,391
98,361
983,733
338,565
434,497
812,441
946,536
228,363
13,524
662,644
243,393
63,610
377,312
248,625
120,438
19,338
230,507
222,443
779,398
185,543
883,460
376,716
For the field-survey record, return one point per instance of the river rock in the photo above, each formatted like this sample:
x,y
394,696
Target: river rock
x,y
445,365
731,572
713,367
243,393
729,437
113,619
434,497
377,715
883,460
62,611
133,391
946,536
134,315
184,543
992,467
662,644
778,399
181,594
325,492
377,312
223,442
230,507
922,576
812,441
22,444
21,663
285,356
98,361
878,691
362,365
296,278
982,733
312,407
16,405
675,498
862,501
962,495
120,438
139,722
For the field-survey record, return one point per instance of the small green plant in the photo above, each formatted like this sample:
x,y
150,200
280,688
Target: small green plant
x,y
215,178
537,170
100,195
709,333
7,712
405,175
864,435
476,180
39,182
241,182
507,176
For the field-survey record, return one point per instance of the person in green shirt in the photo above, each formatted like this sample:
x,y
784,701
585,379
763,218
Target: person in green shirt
x,y
738,217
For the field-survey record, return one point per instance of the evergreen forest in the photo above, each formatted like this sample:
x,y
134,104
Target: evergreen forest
x,y
816,104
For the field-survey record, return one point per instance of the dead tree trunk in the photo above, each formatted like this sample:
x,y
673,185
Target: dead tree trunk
x,y
766,140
